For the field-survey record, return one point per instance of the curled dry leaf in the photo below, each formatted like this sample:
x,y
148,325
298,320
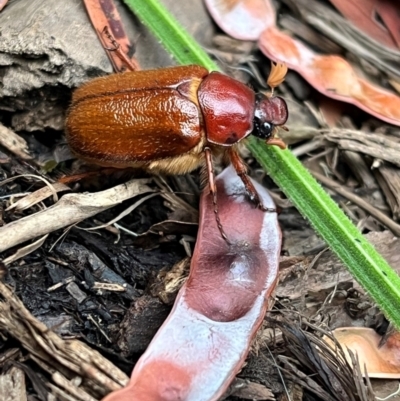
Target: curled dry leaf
x,y
38,196
329,74
380,361
108,25
204,341
26,250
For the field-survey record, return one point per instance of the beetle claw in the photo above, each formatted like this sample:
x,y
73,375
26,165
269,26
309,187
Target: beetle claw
x,y
267,209
254,197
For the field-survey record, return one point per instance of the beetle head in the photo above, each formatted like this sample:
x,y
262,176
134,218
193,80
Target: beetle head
x,y
270,112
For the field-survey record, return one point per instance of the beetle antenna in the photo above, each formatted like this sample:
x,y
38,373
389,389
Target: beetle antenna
x,y
276,75
213,190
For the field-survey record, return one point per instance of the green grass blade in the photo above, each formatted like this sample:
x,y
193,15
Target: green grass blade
x,y
360,257
171,34
367,266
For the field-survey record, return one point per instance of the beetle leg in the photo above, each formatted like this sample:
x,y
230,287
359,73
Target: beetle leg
x,y
213,190
241,171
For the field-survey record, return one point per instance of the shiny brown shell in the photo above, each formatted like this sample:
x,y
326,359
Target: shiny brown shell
x,y
136,117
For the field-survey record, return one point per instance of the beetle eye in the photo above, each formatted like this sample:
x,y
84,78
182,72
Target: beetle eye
x,y
267,128
262,129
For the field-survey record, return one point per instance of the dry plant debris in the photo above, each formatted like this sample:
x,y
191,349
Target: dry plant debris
x,y
84,287
64,360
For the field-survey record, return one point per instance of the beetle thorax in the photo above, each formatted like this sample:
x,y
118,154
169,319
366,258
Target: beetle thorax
x,y
227,107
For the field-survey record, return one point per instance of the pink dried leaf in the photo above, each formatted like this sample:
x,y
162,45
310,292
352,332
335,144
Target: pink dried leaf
x,y
242,19
332,76
381,361
204,341
379,19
